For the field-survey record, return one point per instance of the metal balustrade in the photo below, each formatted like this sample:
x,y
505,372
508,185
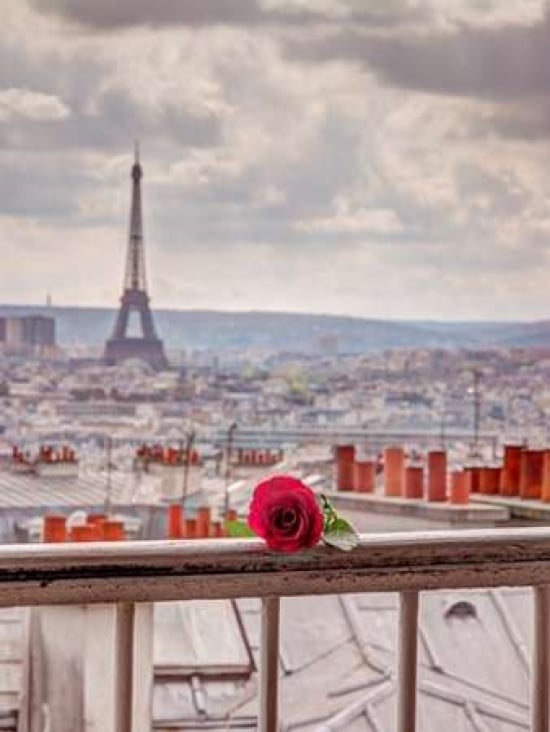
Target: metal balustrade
x,y
407,563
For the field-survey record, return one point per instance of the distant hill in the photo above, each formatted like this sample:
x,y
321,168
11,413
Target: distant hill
x,y
197,329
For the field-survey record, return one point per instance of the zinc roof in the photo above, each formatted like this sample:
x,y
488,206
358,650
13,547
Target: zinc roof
x,y
338,666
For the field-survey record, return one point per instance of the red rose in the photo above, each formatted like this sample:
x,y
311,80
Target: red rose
x,y
285,513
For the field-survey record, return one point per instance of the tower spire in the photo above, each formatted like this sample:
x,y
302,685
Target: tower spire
x,y
134,297
135,264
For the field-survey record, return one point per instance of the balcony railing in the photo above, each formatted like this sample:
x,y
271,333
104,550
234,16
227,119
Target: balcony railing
x,y
213,569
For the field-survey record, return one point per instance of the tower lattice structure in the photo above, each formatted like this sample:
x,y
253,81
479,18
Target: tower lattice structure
x,y
124,345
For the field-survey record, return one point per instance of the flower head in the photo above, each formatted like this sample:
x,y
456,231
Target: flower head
x,y
285,512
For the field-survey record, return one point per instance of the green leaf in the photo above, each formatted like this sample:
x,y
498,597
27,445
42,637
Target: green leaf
x,y
341,535
239,530
329,514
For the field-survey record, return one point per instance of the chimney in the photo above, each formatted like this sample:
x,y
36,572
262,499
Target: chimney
x,y
113,530
175,520
437,475
546,477
203,522
216,529
190,528
489,480
394,471
83,533
414,482
531,474
460,487
365,476
475,477
510,476
345,459
55,528
97,520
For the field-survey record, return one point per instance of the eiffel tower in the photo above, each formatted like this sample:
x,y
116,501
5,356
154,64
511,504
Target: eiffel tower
x,y
135,300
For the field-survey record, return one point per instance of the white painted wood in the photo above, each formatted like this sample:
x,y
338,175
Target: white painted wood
x,y
540,719
143,668
269,666
136,571
80,688
407,661
56,690
124,680
98,659
23,721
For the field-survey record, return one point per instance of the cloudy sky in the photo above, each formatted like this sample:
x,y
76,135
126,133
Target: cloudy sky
x,y
383,158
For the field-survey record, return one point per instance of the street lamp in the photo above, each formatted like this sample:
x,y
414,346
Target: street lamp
x,y
228,450
109,467
189,441
476,391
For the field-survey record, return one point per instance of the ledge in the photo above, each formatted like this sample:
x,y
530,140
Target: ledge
x,y
473,513
231,568
520,508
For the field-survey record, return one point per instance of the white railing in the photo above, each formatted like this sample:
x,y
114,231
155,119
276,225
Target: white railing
x,y
214,569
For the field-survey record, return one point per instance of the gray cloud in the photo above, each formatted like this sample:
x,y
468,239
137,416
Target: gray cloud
x,y
374,183
107,15
116,120
509,61
42,191
75,80
232,209
516,121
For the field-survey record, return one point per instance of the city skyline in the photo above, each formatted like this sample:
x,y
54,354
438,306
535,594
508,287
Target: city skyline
x,y
384,161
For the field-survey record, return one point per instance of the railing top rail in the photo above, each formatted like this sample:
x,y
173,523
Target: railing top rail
x,y
34,574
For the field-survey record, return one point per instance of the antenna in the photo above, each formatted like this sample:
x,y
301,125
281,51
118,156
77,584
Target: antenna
x,y
136,151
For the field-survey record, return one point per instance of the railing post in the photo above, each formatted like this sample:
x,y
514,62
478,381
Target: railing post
x,y
540,677
125,612
269,666
407,661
